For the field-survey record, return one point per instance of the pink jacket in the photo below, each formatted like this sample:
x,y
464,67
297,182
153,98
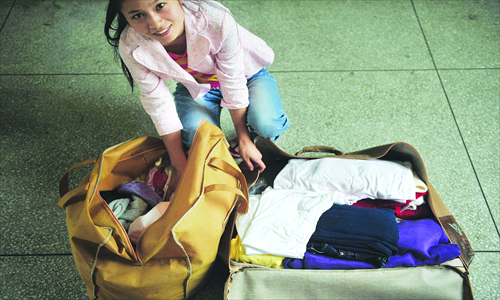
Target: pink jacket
x,y
216,44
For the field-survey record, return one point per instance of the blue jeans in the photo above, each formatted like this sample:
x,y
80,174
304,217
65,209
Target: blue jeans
x,y
329,250
265,114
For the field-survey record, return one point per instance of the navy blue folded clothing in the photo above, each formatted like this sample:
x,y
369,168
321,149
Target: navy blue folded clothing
x,y
372,234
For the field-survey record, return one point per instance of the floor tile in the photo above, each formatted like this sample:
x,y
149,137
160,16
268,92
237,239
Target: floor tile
x,y
485,276
56,37
462,34
336,35
5,7
40,277
357,110
50,123
475,98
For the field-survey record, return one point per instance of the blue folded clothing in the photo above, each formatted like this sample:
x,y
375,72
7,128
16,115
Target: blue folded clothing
x,y
357,233
421,242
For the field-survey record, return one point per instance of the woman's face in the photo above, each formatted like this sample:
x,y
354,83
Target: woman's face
x,y
161,20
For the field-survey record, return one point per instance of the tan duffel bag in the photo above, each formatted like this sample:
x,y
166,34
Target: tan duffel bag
x,y
175,254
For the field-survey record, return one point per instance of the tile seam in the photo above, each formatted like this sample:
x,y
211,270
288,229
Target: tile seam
x,y
7,16
35,254
455,120
271,71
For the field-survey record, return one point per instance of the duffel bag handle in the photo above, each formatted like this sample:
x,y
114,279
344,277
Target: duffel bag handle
x,y
322,149
64,183
221,187
224,166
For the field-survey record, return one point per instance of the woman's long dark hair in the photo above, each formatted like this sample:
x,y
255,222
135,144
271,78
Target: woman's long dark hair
x,y
113,33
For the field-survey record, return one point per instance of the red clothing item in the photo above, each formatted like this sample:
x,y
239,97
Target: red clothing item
x,y
422,211
157,180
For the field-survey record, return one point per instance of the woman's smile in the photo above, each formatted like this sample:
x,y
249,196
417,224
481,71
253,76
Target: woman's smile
x,y
163,32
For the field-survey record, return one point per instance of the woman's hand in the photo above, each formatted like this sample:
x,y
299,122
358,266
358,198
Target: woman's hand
x,y
175,178
251,155
248,152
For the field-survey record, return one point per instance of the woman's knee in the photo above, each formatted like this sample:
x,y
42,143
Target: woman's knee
x,y
188,131
192,112
266,115
269,126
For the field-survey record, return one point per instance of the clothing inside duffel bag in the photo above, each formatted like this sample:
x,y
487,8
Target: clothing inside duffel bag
x,y
138,203
333,213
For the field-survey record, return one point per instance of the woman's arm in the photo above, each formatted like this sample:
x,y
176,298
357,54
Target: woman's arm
x,y
173,143
249,153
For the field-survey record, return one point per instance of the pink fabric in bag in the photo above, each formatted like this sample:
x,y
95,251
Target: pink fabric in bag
x,y
138,226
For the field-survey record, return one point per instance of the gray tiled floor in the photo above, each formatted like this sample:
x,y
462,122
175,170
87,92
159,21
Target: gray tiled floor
x,y
367,72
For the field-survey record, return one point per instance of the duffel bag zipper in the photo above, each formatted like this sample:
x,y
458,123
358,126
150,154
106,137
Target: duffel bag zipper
x,y
123,231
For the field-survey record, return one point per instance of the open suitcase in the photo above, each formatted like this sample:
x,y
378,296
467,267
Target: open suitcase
x,y
446,281
175,254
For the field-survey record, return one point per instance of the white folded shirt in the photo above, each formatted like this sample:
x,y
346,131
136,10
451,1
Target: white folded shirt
x,y
356,178
281,222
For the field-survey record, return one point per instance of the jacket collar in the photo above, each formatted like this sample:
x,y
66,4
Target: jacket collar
x,y
195,24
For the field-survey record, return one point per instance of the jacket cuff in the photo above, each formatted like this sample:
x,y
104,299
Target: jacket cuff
x,y
164,128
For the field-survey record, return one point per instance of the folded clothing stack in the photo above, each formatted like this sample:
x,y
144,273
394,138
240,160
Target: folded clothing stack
x,y
421,242
357,233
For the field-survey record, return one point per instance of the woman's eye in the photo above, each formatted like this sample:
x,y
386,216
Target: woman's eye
x,y
137,16
160,6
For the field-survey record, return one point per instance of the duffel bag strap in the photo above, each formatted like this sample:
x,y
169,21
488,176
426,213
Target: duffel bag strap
x,y
64,182
221,187
94,262
64,192
320,149
224,166
454,232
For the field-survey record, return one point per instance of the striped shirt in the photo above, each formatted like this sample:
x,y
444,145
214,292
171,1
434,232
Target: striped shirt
x,y
182,61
